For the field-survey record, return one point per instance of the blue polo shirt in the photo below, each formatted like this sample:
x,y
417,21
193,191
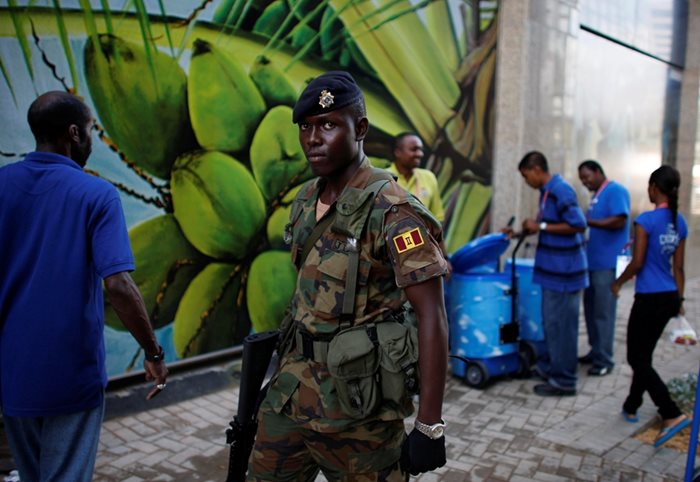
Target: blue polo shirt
x,y
560,260
656,275
63,231
605,244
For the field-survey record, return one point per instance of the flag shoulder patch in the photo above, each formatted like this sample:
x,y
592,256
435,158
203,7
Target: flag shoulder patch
x,y
408,240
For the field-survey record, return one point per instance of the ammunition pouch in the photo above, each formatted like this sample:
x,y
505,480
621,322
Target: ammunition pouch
x,y
373,363
398,361
353,362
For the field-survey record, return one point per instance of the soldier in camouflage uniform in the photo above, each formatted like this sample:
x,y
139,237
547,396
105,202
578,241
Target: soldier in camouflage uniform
x,y
393,256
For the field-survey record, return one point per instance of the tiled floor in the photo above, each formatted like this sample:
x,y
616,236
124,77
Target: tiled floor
x,y
501,433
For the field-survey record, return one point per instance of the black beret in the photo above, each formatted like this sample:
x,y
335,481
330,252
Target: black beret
x,y
327,92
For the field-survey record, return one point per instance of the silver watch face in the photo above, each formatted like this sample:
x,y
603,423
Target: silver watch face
x,y
437,430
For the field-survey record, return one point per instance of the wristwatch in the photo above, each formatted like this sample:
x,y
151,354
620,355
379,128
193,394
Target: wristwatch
x,y
543,226
434,431
158,357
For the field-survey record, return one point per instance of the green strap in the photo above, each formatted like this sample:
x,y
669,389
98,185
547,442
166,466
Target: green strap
x,y
374,186
320,347
351,282
314,236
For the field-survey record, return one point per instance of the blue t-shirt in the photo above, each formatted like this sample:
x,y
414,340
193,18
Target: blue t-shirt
x,y
605,244
560,260
656,275
63,231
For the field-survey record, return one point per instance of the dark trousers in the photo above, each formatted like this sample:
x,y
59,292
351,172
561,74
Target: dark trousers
x,y
650,313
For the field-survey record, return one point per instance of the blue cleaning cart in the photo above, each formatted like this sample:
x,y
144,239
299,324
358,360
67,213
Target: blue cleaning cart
x,y
529,316
482,313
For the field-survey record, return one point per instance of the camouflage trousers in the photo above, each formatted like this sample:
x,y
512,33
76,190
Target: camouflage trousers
x,y
364,453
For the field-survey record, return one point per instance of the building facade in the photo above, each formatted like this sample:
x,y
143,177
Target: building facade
x,y
612,81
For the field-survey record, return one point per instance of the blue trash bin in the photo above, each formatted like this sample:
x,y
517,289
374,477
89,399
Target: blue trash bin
x,y
483,336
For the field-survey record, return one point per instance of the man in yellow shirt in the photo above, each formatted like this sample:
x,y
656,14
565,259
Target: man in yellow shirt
x,y
422,183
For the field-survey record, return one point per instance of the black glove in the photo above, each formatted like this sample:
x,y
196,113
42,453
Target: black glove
x,y
420,453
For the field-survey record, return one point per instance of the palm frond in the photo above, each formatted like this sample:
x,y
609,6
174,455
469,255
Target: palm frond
x,y
65,42
439,22
89,19
8,82
390,5
232,12
184,42
123,13
167,27
108,16
307,18
402,22
18,23
244,12
225,25
149,46
403,55
470,17
283,28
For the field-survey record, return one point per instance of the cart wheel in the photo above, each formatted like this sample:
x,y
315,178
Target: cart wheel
x,y
528,351
476,375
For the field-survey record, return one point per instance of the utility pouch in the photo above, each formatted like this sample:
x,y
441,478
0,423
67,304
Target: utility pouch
x,y
398,360
353,362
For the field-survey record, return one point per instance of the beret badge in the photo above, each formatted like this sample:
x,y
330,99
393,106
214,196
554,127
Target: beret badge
x,y
325,100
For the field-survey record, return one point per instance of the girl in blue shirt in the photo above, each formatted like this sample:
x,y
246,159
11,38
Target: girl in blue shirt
x,y
657,261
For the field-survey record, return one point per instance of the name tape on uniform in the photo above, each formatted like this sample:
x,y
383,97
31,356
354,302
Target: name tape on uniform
x,y
408,240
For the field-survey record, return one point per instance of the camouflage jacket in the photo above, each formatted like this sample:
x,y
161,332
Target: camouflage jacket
x,y
399,247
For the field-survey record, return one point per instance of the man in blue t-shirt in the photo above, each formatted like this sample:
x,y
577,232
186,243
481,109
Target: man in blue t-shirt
x,y
561,270
608,217
63,233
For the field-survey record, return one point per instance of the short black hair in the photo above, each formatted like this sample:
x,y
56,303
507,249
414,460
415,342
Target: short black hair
x,y
591,165
532,159
53,112
401,137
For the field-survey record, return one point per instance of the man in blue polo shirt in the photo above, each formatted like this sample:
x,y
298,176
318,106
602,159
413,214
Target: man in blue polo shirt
x,y
608,218
63,233
561,270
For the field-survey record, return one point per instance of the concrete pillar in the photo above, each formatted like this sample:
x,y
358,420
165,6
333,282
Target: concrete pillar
x,y
688,151
535,89
511,92
688,122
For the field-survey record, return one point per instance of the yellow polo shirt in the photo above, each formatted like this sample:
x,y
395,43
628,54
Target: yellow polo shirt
x,y
423,184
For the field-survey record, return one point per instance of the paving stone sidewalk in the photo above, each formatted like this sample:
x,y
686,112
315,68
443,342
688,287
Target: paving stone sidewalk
x,y
501,433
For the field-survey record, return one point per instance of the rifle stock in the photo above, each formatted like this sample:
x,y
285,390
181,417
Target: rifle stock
x,y
257,353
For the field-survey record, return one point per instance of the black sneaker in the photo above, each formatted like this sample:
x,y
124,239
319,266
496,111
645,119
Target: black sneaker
x,y
586,359
599,371
547,390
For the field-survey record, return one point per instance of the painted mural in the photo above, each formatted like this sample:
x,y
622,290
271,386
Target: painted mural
x,y
193,104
